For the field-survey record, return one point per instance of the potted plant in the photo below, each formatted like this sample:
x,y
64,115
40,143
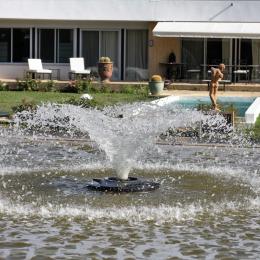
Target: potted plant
x,y
105,69
156,85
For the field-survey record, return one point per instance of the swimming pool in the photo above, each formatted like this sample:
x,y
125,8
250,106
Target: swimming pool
x,y
240,104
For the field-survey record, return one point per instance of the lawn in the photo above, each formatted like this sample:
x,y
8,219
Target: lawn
x,y
9,99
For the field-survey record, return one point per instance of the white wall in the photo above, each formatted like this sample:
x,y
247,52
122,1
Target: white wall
x,y
131,10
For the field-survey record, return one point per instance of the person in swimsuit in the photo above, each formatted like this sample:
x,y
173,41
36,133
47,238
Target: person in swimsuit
x,y
216,75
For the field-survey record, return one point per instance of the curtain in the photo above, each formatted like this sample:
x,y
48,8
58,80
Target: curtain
x,y
65,45
5,45
90,49
21,45
192,52
46,44
109,48
256,59
225,51
256,52
136,55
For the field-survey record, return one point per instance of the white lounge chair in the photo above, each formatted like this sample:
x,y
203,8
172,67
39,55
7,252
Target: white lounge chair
x,y
77,68
35,68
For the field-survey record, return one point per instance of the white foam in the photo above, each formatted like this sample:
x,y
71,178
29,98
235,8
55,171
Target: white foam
x,y
134,214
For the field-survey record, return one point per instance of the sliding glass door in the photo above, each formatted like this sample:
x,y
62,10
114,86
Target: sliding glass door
x,y
5,45
192,52
256,60
90,48
46,45
136,60
96,43
218,51
55,45
199,53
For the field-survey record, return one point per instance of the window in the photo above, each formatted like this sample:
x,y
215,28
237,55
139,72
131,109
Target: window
x,y
5,45
192,52
21,45
246,52
109,48
256,59
65,46
218,51
46,44
101,43
55,45
90,47
136,55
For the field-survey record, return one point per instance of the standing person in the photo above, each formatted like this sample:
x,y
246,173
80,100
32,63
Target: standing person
x,y
216,75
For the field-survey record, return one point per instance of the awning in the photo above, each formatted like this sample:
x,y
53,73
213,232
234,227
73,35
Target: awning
x,y
207,30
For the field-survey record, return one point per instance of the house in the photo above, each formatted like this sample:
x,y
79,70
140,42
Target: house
x,y
138,35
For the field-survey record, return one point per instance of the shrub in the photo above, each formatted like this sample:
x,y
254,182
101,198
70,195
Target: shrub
x,y
134,89
28,84
86,103
256,129
76,86
46,86
105,89
25,105
127,89
72,87
3,86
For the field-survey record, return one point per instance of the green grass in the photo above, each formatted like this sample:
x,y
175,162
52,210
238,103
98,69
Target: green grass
x,y
256,129
9,99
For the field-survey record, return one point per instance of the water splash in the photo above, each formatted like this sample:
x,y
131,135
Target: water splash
x,y
123,132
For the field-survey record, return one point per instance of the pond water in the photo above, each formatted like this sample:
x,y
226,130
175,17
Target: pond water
x,y
207,206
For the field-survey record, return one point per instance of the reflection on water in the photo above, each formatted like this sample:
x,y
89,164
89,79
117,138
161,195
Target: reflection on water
x,y
207,205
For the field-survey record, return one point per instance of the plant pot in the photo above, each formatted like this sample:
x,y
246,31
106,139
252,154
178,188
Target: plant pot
x,y
156,87
105,71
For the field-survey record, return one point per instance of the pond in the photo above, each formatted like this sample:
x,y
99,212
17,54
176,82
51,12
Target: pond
x,y
207,206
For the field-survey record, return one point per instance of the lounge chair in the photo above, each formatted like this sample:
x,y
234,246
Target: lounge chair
x,y
77,68
36,69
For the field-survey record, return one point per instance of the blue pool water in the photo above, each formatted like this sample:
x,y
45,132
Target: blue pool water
x,y
240,104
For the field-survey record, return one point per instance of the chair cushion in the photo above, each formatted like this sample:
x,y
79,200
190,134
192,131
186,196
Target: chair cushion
x,y
35,64
77,64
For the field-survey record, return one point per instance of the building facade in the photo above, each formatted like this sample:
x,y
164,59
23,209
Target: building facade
x,y
129,32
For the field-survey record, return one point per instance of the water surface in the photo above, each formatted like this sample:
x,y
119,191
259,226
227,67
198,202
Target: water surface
x,y
207,205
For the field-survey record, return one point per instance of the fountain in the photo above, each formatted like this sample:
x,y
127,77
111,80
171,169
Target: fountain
x,y
122,132
208,176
